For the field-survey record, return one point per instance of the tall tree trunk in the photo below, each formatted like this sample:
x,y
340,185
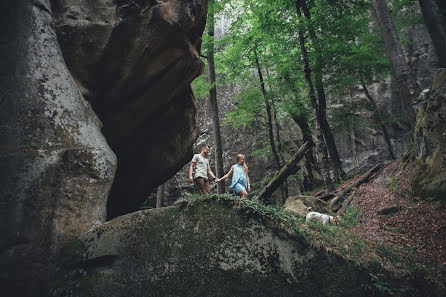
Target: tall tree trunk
x,y
320,143
442,12
269,120
284,186
309,158
160,195
322,106
302,120
379,120
353,138
213,103
408,89
436,31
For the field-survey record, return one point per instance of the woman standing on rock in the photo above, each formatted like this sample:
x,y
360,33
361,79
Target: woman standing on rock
x,y
240,179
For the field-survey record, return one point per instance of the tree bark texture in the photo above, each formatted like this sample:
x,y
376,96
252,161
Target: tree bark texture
x,y
213,104
379,120
289,168
268,113
284,187
160,195
322,106
320,144
436,31
407,87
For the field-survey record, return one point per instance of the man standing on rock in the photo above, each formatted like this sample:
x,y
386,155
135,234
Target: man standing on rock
x,y
201,169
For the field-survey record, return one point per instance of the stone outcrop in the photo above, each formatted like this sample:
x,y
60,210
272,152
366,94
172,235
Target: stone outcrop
x,y
429,174
363,148
72,72
56,167
134,61
207,249
299,204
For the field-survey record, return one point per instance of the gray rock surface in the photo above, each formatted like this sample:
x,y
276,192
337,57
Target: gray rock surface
x,y
56,166
72,71
208,249
134,61
365,147
429,176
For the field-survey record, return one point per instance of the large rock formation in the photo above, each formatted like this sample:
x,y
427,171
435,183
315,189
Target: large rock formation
x,y
209,249
56,166
134,61
429,174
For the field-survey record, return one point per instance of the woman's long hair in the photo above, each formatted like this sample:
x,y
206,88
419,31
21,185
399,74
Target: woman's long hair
x,y
238,158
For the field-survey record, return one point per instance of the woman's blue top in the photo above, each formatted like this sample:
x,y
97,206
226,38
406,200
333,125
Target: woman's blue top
x,y
239,176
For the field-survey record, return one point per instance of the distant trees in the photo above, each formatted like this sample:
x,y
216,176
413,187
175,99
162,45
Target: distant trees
x,y
312,52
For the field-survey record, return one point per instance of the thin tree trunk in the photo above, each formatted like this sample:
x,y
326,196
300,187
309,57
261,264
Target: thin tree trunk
x,y
284,187
353,137
302,121
269,120
379,120
320,143
436,31
322,106
408,89
213,104
160,195
268,114
309,158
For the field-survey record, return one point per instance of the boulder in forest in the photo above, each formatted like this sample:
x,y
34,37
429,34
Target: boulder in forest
x,y
204,249
299,204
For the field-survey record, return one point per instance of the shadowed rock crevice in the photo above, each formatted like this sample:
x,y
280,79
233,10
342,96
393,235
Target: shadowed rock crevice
x,y
134,61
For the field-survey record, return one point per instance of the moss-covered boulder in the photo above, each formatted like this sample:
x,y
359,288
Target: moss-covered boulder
x,y
208,249
429,177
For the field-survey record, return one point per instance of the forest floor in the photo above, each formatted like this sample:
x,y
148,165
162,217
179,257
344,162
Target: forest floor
x,y
393,216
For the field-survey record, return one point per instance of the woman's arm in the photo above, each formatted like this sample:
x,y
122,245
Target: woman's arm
x,y
249,185
225,176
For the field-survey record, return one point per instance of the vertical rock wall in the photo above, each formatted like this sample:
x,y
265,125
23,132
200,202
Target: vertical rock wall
x,y
134,61
71,72
56,167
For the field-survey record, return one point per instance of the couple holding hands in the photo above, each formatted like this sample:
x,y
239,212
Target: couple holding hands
x,y
199,170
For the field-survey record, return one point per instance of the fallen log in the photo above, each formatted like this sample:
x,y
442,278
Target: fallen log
x,y
288,169
342,194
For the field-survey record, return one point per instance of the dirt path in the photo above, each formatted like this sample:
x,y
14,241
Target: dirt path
x,y
417,225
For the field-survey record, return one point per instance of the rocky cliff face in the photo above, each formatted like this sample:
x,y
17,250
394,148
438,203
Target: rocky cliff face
x,y
429,150
208,249
132,61
363,148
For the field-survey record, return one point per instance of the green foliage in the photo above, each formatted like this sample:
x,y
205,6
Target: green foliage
x,y
248,105
380,283
201,87
351,217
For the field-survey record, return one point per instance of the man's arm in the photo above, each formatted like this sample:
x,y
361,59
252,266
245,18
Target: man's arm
x,y
191,170
211,173
224,176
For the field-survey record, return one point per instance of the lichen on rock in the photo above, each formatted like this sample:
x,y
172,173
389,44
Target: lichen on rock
x,y
429,174
210,249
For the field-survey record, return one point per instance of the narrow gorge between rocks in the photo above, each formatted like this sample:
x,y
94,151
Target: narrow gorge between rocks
x,y
338,107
